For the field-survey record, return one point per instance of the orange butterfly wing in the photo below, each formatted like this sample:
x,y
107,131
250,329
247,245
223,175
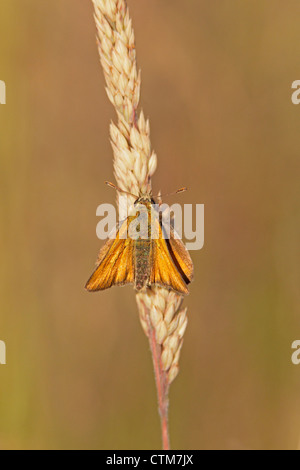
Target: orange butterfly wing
x,y
171,264
115,263
181,257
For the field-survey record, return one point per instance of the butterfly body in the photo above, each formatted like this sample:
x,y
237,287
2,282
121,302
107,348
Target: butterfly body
x,y
143,248
142,258
140,255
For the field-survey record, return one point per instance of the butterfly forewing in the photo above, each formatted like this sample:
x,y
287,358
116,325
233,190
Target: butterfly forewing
x,y
181,257
115,263
164,271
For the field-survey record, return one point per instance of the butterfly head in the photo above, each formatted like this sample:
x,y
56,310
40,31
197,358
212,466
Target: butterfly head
x,y
145,199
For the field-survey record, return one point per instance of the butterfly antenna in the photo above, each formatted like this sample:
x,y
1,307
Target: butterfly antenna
x,y
112,185
181,190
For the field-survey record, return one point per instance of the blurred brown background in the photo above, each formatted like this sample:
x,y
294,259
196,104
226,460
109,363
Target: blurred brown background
x,y
217,81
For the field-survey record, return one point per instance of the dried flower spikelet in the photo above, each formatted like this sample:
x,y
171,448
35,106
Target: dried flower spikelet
x,y
160,310
134,163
